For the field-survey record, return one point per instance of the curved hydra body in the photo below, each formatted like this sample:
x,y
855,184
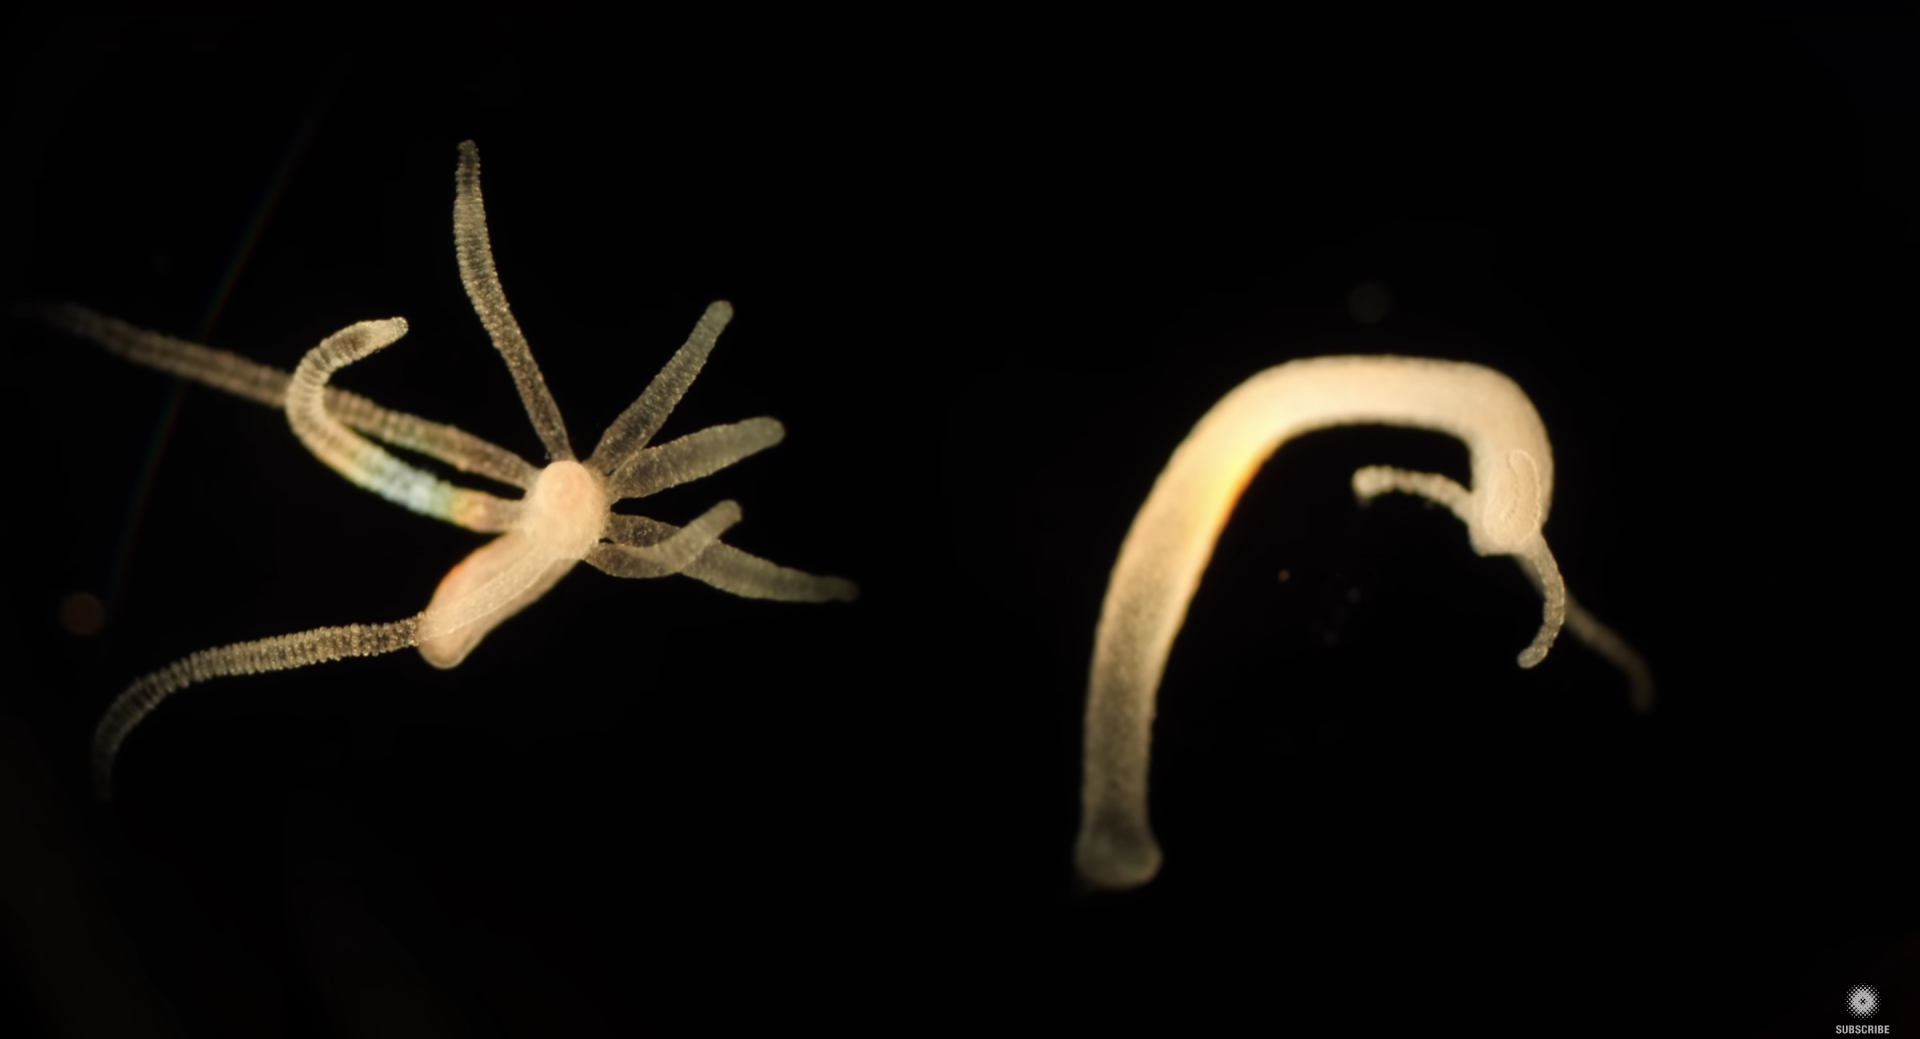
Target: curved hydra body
x,y
1172,538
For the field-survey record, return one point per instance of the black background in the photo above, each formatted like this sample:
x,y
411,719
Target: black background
x,y
988,276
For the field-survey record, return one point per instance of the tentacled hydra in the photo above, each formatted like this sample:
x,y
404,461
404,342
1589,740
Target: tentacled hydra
x,y
564,517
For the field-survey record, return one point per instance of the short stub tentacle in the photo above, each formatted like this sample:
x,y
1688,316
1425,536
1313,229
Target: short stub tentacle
x,y
1532,553
1553,610
644,417
474,250
364,462
1375,480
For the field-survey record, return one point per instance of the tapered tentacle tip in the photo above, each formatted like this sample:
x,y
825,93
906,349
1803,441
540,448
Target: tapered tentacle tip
x,y
1534,654
765,432
719,312
838,589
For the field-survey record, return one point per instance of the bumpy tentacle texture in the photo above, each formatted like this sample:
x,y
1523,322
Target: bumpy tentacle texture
x,y
280,653
722,566
643,418
364,462
549,535
635,470
565,516
474,249
1375,480
1173,536
267,385
1534,558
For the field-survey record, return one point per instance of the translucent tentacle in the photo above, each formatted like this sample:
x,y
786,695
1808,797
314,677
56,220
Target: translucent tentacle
x,y
725,567
502,591
1553,610
1375,480
454,446
267,385
366,463
216,368
672,554
710,450
644,417
1604,641
280,653
475,252
1535,558
1379,479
